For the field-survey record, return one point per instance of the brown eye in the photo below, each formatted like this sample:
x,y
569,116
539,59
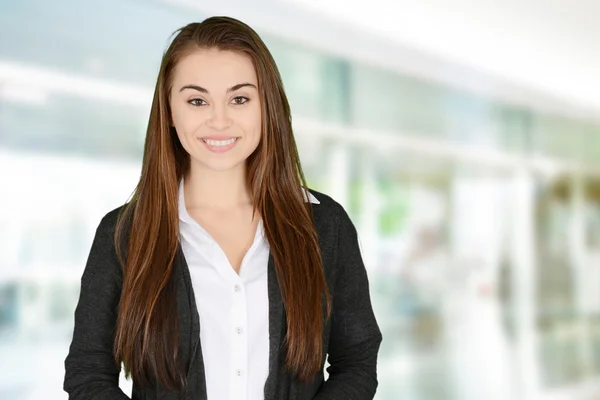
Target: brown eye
x,y
239,100
197,102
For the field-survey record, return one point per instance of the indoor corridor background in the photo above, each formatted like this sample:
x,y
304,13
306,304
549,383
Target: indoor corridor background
x,y
463,137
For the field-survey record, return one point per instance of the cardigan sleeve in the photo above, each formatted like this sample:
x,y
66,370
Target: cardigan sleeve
x,y
90,369
355,336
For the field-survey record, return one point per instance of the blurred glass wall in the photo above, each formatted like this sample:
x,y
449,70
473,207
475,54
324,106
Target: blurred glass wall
x,y
479,220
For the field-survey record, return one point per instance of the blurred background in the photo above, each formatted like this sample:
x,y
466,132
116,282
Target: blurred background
x,y
463,137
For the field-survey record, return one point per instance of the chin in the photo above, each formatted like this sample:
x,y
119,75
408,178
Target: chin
x,y
221,165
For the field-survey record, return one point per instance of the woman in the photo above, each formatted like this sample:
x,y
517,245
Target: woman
x,y
223,277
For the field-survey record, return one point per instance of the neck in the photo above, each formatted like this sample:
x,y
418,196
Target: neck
x,y
205,188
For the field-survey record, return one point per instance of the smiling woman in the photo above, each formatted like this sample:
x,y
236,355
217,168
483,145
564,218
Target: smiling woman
x,y
224,277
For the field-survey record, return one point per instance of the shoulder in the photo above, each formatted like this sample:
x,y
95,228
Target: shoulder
x,y
329,210
109,221
103,245
337,234
107,227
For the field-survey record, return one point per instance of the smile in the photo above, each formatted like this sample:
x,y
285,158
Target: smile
x,y
219,143
220,146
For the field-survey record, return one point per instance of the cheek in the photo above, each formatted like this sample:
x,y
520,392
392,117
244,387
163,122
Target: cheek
x,y
181,121
256,127
253,131
184,121
254,122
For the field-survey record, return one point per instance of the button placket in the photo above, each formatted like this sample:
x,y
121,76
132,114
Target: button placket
x,y
239,344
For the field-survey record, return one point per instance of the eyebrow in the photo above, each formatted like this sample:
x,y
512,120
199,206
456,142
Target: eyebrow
x,y
231,89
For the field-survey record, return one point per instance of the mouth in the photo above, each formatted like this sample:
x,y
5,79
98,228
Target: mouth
x,y
220,146
219,143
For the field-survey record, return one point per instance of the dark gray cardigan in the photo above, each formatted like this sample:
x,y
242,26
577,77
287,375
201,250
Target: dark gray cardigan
x,y
351,336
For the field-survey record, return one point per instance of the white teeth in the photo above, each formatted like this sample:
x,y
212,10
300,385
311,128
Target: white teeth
x,y
219,142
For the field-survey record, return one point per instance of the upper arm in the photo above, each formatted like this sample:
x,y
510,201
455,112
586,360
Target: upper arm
x,y
90,368
355,332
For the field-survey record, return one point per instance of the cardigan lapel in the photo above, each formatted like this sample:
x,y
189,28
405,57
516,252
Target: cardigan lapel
x,y
276,329
187,297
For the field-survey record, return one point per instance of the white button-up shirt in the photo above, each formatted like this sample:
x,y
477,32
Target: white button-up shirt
x,y
233,309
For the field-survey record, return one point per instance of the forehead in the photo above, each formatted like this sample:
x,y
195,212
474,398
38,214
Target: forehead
x,y
214,69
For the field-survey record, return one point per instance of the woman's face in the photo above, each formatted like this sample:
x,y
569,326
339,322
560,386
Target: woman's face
x,y
215,108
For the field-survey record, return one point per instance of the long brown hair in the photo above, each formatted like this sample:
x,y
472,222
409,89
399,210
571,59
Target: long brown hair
x,y
146,337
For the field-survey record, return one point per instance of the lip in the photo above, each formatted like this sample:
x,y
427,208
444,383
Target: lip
x,y
219,149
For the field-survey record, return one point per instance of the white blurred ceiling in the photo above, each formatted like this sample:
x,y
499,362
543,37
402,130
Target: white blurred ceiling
x,y
549,46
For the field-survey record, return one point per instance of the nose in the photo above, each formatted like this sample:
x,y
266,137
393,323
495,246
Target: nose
x,y
219,118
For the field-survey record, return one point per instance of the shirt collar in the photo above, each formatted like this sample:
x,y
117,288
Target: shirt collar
x,y
311,198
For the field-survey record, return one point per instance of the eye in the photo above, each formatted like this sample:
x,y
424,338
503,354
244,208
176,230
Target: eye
x,y
197,102
239,100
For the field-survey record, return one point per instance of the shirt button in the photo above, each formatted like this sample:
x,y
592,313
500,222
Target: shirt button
x,y
239,331
238,372
237,288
